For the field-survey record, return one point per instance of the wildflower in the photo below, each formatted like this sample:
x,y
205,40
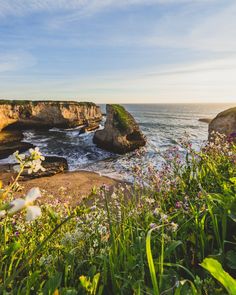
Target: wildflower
x,y
164,217
149,200
153,225
32,211
32,161
2,213
156,212
174,226
178,205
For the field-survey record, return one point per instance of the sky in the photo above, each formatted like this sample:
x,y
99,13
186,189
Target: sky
x,y
118,51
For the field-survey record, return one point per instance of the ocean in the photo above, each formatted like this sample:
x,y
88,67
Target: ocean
x,y
163,125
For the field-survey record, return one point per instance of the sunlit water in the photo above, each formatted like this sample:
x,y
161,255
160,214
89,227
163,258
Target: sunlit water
x,y
163,125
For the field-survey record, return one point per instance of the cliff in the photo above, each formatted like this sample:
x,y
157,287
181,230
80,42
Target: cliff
x,y
46,114
224,123
121,133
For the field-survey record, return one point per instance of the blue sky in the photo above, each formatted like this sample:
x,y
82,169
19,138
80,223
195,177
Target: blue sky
x,y
118,50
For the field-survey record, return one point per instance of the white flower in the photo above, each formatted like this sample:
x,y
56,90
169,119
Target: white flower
x,y
32,211
174,226
17,205
2,213
16,168
164,217
33,194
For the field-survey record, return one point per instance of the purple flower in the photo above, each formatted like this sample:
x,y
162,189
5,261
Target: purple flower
x,y
178,205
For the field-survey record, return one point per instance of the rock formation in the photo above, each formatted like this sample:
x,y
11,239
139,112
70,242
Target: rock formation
x,y
19,114
224,123
10,141
205,120
52,164
121,133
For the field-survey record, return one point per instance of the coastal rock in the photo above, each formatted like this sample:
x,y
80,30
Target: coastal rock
x,y
121,133
10,141
224,123
18,114
205,120
52,164
89,126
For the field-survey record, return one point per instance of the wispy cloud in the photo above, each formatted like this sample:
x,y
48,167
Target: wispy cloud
x,y
15,60
83,7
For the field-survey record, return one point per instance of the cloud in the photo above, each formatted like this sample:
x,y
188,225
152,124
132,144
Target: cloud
x,y
209,81
15,61
83,7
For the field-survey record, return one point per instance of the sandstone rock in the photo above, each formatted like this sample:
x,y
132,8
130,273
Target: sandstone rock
x,y
224,123
19,114
121,133
89,126
205,120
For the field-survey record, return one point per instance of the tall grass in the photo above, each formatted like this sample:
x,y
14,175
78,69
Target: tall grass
x,y
149,238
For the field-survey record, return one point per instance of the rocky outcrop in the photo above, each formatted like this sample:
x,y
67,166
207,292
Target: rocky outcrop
x,y
205,120
224,123
10,141
121,133
52,164
18,114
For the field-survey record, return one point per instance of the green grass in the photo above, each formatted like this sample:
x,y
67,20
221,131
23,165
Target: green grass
x,y
122,118
35,102
144,239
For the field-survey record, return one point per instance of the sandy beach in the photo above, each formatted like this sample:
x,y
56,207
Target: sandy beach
x,y
66,188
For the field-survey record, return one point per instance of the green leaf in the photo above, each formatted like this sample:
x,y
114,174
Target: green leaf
x,y
172,247
13,247
216,270
231,259
52,284
151,263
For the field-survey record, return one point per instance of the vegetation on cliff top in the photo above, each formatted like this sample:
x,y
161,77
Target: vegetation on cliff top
x,y
35,102
151,238
122,118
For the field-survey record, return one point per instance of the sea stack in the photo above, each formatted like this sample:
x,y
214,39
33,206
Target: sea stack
x,y
224,123
121,133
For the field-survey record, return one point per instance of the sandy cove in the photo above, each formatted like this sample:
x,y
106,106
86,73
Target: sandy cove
x,y
68,188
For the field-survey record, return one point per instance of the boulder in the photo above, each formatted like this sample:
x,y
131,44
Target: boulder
x,y
89,126
23,114
224,123
121,133
52,164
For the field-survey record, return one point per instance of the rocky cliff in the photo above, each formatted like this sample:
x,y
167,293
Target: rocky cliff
x,y
46,114
224,123
121,133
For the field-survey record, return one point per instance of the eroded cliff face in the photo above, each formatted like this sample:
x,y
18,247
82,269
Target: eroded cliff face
x,y
121,133
47,114
224,123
